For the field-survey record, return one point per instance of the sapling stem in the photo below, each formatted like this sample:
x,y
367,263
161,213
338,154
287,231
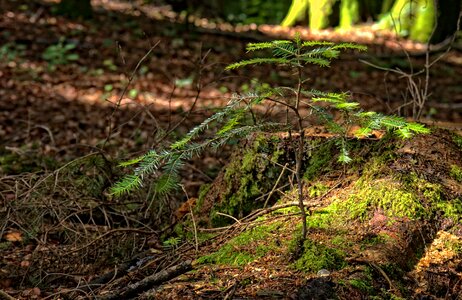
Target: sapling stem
x,y
300,152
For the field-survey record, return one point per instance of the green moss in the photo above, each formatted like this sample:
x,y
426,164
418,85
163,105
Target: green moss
x,y
203,190
287,210
323,218
457,139
317,189
317,256
227,255
408,196
248,178
456,173
185,231
454,245
394,271
319,158
387,194
451,209
363,285
377,165
245,248
375,240
435,198
341,241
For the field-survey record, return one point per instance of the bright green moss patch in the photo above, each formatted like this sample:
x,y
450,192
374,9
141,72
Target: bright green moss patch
x,y
323,218
456,173
317,256
387,194
451,209
317,189
407,196
244,248
228,255
433,194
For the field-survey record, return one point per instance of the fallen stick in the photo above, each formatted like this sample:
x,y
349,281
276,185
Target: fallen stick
x,y
5,296
149,282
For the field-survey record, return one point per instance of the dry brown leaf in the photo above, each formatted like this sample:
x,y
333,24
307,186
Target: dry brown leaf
x,y
13,236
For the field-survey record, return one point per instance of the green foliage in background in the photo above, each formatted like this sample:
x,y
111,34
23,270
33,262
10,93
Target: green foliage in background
x,y
409,18
59,54
10,52
236,12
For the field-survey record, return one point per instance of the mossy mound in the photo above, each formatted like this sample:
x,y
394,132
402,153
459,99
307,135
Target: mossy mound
x,y
371,224
247,181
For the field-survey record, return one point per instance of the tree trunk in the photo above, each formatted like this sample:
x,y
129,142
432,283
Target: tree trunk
x,y
423,24
349,13
296,11
319,13
398,19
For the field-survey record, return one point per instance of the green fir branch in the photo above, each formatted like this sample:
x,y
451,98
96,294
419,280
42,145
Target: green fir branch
x,y
316,43
350,46
285,50
255,61
266,45
166,183
126,185
322,62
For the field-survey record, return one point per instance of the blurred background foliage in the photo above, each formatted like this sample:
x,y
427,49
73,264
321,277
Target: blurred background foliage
x,y
414,19
236,11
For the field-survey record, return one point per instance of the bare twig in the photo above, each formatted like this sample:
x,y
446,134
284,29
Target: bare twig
x,y
196,97
192,218
229,216
5,296
111,232
275,185
124,91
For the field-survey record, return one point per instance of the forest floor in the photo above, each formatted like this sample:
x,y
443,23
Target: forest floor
x,y
132,79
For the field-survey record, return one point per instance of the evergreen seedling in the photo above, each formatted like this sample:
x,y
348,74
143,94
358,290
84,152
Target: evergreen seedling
x,y
301,105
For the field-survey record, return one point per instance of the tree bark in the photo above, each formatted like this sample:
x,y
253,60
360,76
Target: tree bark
x,y
296,11
320,11
349,13
424,21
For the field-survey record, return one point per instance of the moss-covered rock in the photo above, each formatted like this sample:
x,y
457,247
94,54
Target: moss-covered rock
x,y
370,223
245,183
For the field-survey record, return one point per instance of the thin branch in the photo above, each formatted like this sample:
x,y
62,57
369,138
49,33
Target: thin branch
x,y
229,216
124,91
151,281
275,185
